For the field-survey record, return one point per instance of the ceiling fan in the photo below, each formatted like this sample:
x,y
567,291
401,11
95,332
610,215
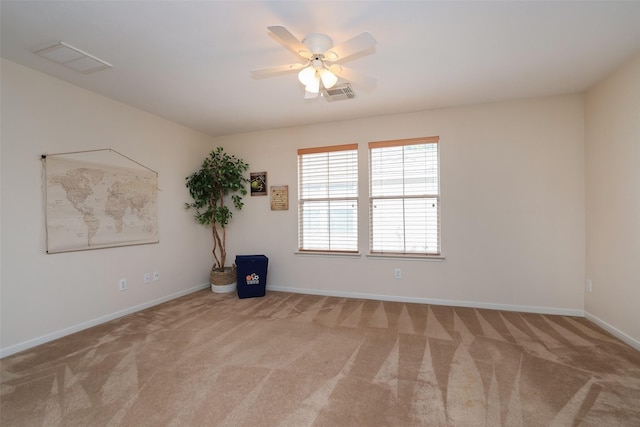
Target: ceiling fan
x,y
320,66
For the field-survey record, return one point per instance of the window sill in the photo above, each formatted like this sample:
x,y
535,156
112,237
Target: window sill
x,y
329,254
415,257
408,257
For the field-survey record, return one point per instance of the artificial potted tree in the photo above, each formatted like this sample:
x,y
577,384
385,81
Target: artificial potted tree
x,y
215,188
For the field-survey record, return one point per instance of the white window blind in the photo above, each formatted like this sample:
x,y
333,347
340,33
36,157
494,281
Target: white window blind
x,y
328,198
405,196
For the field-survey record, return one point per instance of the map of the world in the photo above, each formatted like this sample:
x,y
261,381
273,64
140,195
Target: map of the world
x,y
91,205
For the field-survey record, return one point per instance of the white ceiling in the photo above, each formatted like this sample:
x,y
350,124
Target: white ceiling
x,y
189,61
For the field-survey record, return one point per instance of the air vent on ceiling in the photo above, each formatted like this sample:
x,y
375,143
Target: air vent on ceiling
x,y
338,92
74,58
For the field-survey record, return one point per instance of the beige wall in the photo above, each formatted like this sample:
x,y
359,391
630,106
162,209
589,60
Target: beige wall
x,y
612,135
45,296
512,208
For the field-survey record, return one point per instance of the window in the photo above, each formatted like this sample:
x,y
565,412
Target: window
x,y
328,198
404,197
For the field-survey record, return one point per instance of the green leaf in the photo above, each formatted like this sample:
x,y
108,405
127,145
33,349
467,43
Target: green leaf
x,y
219,176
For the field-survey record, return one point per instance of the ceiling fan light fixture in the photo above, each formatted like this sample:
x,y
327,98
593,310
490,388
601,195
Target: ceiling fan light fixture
x,y
307,75
328,78
319,70
313,86
310,95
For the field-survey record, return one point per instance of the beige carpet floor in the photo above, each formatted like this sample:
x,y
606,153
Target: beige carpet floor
x,y
300,360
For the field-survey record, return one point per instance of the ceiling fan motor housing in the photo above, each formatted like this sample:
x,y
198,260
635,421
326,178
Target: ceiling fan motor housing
x,y
317,43
317,62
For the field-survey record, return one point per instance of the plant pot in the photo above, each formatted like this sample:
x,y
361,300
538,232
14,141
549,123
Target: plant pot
x,y
223,282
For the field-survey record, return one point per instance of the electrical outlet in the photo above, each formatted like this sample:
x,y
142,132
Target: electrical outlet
x,y
397,273
123,284
147,278
589,286
156,276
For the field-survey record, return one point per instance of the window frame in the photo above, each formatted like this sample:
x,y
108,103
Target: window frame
x,y
302,200
437,253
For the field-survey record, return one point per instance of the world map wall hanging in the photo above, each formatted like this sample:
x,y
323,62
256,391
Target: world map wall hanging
x,y
98,199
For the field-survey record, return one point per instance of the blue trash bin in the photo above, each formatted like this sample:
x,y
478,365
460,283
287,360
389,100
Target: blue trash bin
x,y
251,275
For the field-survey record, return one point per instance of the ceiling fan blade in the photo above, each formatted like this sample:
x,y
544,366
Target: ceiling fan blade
x,y
357,44
367,83
262,73
288,40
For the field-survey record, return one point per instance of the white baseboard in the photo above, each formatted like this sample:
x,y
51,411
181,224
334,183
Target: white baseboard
x,y
471,304
613,331
16,348
25,345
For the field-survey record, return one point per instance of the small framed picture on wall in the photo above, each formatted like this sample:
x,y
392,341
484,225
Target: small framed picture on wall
x,y
279,197
258,183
